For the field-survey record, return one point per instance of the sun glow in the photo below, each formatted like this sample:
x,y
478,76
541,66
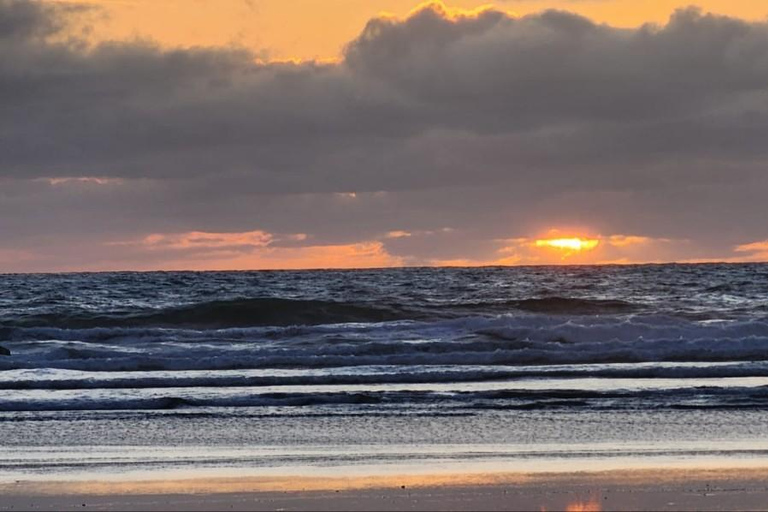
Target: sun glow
x,y
570,244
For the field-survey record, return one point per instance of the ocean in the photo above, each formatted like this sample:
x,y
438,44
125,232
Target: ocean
x,y
129,375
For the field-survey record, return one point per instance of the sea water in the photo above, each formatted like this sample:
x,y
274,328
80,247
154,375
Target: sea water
x,y
392,370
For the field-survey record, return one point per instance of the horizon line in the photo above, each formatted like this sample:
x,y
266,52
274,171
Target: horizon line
x,y
403,267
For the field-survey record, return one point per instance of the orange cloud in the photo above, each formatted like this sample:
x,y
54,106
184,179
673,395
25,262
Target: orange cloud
x,y
761,246
204,240
399,234
753,252
359,255
200,250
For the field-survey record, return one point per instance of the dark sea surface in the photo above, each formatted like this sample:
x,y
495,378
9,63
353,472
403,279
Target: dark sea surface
x,y
501,368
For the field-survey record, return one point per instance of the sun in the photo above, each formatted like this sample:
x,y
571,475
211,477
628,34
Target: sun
x,y
569,244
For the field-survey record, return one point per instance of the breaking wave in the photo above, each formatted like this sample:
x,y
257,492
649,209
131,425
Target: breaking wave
x,y
174,398
436,338
525,340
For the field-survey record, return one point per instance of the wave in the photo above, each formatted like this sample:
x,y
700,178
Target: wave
x,y
498,341
218,314
68,380
554,305
709,350
484,333
255,312
446,400
570,306
512,328
145,380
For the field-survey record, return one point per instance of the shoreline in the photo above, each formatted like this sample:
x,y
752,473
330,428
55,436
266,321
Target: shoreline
x,y
705,488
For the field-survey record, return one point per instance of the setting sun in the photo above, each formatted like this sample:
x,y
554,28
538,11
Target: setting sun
x,y
572,244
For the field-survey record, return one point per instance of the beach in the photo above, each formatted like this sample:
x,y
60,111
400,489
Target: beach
x,y
659,489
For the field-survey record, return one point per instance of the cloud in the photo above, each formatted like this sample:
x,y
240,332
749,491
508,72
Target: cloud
x,y
754,251
22,20
359,255
253,250
398,234
83,180
405,88
202,240
761,246
498,126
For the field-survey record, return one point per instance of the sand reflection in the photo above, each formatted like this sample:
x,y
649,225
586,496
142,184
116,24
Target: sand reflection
x,y
593,505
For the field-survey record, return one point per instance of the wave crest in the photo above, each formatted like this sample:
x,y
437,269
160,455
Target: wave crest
x,y
565,305
223,313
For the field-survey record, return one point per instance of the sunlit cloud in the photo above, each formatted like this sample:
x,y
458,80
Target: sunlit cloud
x,y
761,246
197,239
85,180
453,13
256,250
203,240
358,255
752,252
398,234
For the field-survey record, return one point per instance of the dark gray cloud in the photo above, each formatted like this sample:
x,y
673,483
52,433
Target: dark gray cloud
x,y
23,19
492,125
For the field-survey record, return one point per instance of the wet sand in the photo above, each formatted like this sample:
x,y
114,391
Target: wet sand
x,y
701,489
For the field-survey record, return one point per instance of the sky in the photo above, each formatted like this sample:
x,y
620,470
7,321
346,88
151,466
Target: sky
x,y
265,134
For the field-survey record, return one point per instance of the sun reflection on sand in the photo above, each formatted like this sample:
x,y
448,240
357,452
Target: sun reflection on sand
x,y
593,505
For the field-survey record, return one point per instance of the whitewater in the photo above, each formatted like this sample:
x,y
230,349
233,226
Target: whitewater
x,y
374,370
